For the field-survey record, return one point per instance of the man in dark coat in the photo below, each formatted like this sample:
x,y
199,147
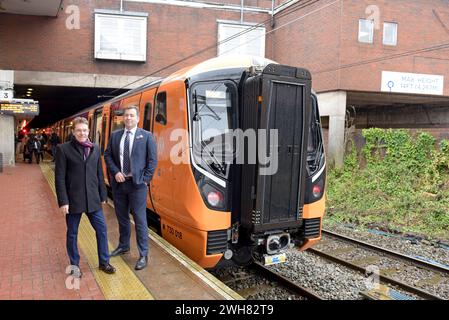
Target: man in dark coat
x,y
54,141
80,188
33,146
131,157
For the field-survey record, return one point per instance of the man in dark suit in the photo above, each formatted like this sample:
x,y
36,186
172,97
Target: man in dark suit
x,y
131,158
80,188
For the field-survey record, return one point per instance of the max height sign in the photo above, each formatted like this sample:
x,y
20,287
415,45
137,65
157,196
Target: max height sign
x,y
412,83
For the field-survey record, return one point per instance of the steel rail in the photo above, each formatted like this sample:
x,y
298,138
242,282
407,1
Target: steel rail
x,y
290,285
384,278
417,262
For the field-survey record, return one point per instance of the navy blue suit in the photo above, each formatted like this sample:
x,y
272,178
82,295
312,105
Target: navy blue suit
x,y
131,195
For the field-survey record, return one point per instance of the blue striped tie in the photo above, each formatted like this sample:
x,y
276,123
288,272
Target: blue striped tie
x,y
126,160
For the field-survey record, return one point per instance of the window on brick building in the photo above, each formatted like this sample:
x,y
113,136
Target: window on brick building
x,y
120,37
251,41
366,31
390,34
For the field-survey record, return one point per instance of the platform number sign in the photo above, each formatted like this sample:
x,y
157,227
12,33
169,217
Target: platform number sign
x,y
6,95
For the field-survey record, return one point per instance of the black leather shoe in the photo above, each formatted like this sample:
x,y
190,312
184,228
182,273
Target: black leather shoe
x,y
107,268
119,251
141,263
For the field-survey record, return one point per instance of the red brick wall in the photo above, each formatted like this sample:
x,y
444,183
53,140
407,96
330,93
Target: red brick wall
x,y
312,42
323,41
328,40
45,44
418,27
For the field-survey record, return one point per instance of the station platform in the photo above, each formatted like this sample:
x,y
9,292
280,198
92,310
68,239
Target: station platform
x,y
34,263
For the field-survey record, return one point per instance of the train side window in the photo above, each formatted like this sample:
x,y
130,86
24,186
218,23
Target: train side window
x,y
161,108
117,120
68,131
147,116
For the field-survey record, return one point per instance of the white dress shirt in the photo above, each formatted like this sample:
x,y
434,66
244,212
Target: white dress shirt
x,y
132,134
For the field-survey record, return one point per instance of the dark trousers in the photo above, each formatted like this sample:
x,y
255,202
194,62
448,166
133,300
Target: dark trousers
x,y
53,151
128,198
36,155
97,221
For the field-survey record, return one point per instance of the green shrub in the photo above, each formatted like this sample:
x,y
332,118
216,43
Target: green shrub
x,y
404,185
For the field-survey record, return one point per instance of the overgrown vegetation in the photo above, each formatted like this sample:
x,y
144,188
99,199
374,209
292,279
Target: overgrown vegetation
x,y
397,180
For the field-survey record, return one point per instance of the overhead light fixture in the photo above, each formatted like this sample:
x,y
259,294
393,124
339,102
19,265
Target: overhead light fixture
x,y
30,89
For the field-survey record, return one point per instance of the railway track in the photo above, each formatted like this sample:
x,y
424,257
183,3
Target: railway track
x,y
393,268
415,261
287,283
259,282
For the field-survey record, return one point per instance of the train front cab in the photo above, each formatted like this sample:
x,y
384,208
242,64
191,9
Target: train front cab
x,y
194,198
283,207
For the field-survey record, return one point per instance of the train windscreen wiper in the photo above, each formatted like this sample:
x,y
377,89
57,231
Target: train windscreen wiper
x,y
214,114
216,165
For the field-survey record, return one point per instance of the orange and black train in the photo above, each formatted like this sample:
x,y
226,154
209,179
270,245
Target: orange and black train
x,y
215,209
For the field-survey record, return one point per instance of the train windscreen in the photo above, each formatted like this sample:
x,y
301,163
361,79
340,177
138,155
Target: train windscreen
x,y
214,113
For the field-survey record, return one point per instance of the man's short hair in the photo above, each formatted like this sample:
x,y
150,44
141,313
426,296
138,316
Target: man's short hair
x,y
79,120
131,107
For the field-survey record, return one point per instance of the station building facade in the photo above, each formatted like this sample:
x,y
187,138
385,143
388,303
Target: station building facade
x,y
373,63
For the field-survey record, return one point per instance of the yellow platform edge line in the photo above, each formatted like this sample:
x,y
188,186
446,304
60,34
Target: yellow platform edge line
x,y
222,289
195,268
124,284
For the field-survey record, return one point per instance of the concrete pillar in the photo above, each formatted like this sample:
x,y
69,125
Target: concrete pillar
x,y
6,79
333,105
7,123
7,139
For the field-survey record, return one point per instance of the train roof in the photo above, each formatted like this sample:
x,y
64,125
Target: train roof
x,y
214,64
220,63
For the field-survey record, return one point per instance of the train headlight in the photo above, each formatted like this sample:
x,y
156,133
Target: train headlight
x,y
215,198
316,190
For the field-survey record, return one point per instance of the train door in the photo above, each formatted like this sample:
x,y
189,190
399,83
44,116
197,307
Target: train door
x,y
67,130
90,117
106,126
105,133
97,120
146,115
161,185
